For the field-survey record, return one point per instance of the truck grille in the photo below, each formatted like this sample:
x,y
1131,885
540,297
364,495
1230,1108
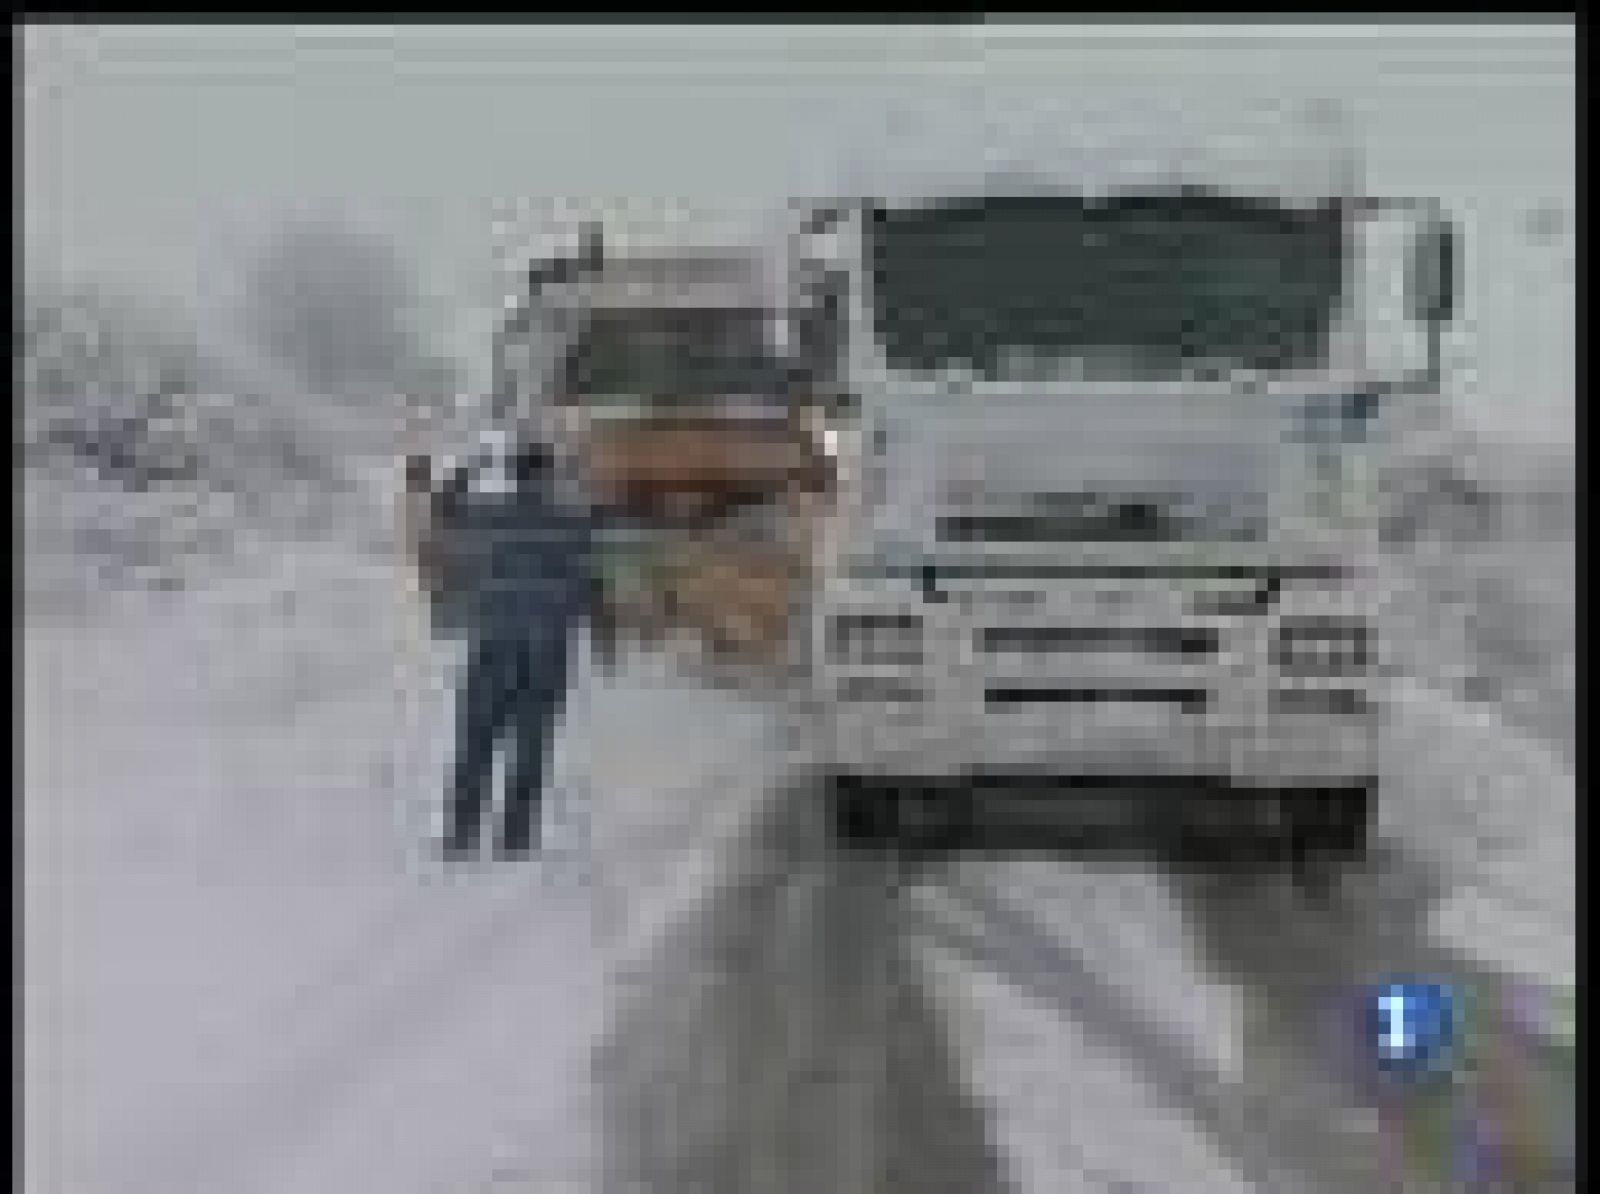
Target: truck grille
x,y
1191,700
1335,702
1130,522
1163,641
1018,569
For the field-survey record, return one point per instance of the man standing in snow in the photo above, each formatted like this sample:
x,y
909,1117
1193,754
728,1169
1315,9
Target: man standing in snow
x,y
515,582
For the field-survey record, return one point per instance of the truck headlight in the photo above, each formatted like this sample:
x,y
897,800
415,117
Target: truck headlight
x,y
875,638
1228,597
1327,646
872,690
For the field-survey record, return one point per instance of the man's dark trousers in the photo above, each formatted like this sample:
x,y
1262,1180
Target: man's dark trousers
x,y
514,694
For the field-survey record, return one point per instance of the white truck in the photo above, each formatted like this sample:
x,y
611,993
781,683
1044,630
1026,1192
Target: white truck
x,y
1110,456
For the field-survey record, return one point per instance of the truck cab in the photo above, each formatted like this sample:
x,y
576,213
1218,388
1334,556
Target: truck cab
x,y
1111,472
697,443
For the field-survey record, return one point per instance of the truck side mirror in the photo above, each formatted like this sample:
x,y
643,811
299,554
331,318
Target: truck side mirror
x,y
1431,276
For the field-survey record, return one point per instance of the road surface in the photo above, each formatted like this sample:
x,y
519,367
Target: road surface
x,y
244,973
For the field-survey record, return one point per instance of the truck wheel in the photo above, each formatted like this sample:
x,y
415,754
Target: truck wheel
x,y
933,816
863,813
1329,825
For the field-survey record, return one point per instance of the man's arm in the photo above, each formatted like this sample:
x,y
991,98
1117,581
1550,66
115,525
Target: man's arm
x,y
438,543
415,496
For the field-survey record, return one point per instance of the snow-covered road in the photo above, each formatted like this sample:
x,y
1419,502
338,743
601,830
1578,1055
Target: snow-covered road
x,y
244,974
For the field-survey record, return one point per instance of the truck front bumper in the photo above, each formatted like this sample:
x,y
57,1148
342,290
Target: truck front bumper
x,y
1243,748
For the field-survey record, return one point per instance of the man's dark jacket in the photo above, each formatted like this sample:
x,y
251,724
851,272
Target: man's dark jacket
x,y
520,553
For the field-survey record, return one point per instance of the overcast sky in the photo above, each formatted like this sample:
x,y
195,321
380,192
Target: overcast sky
x,y
156,155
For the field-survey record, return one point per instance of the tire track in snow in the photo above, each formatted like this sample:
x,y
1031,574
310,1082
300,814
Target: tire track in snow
x,y
1010,944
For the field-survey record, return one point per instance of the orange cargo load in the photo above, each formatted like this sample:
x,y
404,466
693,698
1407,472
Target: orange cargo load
x,y
697,465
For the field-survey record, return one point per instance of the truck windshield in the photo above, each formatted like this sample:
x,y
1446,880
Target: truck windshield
x,y
1150,283
667,357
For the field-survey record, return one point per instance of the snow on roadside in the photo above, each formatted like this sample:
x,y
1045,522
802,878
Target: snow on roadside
x,y
1482,560
227,798
1494,810
209,832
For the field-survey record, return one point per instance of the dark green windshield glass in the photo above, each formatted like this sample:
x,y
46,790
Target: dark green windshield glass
x,y
1153,281
675,356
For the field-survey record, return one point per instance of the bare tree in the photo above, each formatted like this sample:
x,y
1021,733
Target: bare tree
x,y
339,308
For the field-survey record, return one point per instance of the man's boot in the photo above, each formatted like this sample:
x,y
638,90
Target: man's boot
x,y
460,840
519,835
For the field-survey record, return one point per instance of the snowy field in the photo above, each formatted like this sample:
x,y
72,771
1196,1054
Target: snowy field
x,y
238,932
